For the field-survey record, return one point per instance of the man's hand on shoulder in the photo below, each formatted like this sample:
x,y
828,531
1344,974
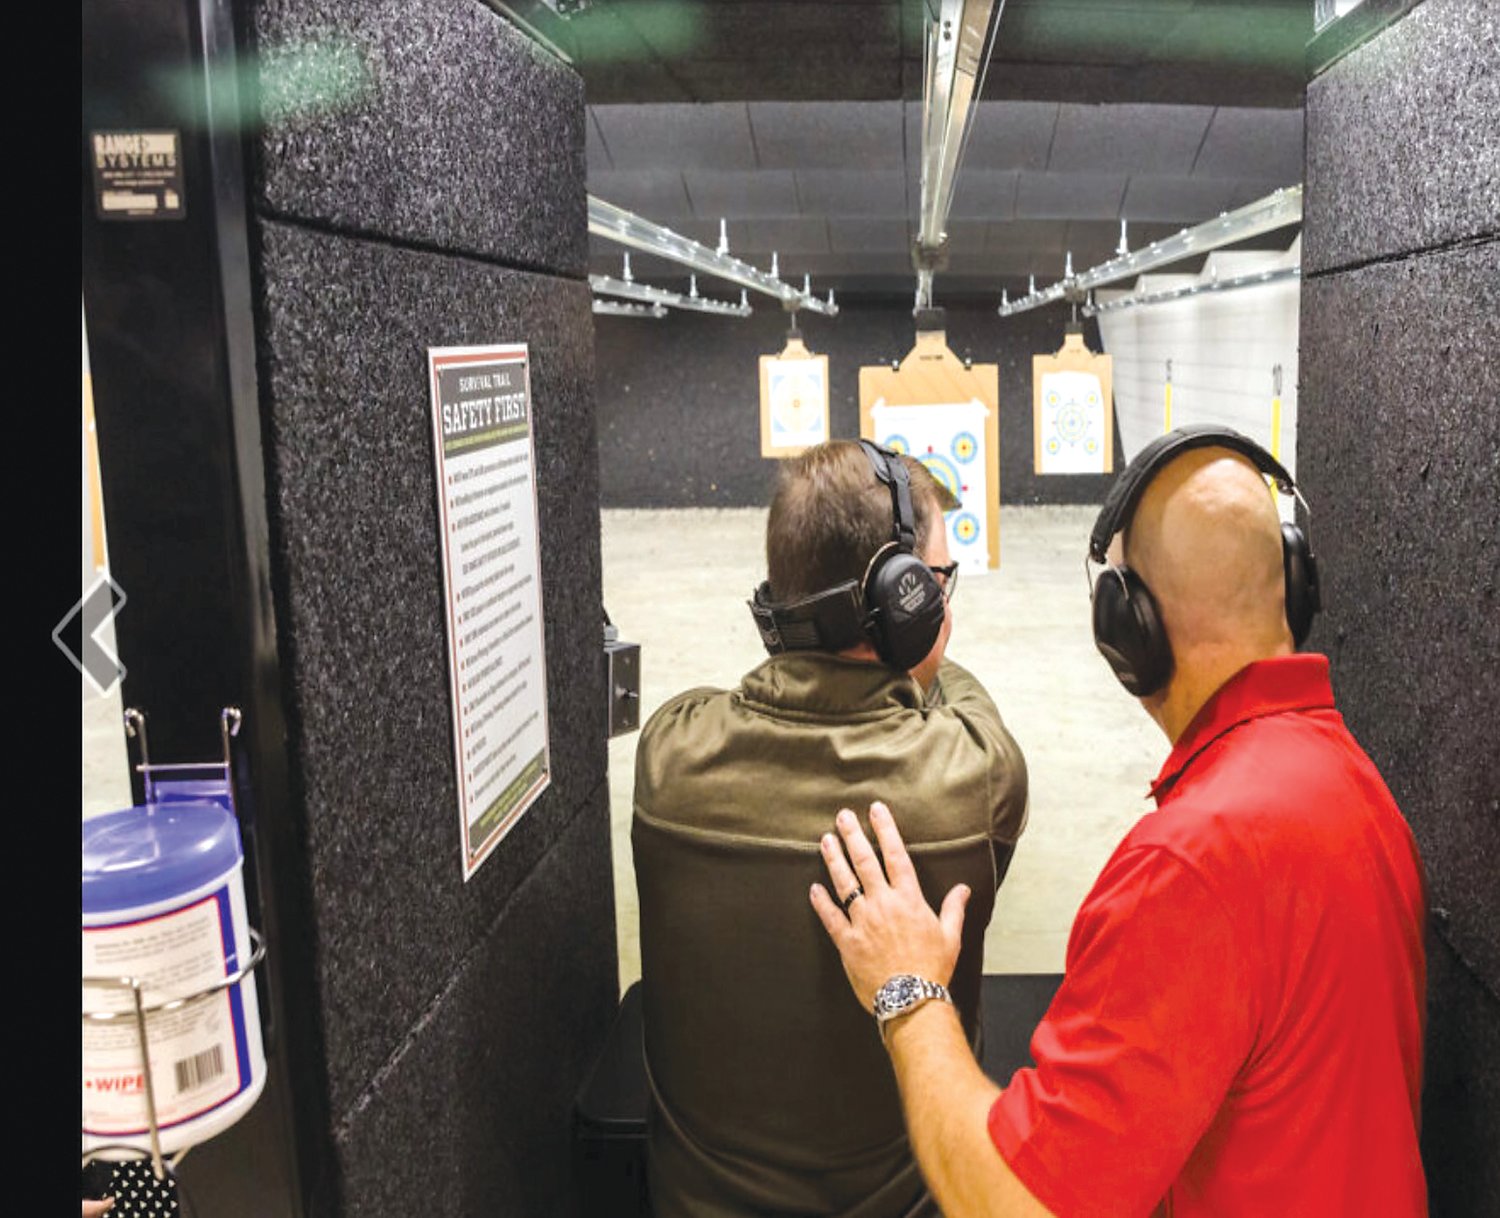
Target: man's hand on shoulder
x,y
887,927
883,926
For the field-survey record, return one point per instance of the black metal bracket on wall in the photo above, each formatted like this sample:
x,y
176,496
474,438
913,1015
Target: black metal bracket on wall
x,y
167,290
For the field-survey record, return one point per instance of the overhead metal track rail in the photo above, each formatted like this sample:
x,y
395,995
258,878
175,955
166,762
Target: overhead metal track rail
x,y
631,290
1277,210
618,308
956,53
1253,280
626,228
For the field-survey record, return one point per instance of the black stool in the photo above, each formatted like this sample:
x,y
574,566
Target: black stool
x,y
609,1122
609,1115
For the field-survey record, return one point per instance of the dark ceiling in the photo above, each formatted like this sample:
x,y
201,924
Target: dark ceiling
x,y
797,121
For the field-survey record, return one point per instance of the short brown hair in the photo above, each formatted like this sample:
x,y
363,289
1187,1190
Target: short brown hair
x,y
830,514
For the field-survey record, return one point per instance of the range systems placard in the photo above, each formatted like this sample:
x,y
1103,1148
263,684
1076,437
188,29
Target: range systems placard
x,y
497,662
137,175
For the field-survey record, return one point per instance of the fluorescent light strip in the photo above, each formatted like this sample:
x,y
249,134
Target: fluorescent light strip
x,y
626,228
1254,280
1277,210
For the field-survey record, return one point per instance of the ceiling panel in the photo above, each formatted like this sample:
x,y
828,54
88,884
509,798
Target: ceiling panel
x,y
1209,52
982,194
861,236
828,74
1238,36
840,265
596,155
966,240
1002,135
1069,196
674,136
1042,235
1129,138
658,196
1022,261
1096,33
1245,143
797,235
1158,197
741,194
833,135
848,192
1009,135
784,38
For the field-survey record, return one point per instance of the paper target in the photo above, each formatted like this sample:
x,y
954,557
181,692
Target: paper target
x,y
943,472
1073,419
793,400
945,438
798,391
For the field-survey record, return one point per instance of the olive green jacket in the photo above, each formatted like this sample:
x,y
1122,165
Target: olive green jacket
x,y
771,1090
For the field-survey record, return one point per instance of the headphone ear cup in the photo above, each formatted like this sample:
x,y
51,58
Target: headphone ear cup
x,y
1303,596
905,607
1128,631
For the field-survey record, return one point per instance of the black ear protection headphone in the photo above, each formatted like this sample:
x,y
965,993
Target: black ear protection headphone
x,y
898,605
1128,628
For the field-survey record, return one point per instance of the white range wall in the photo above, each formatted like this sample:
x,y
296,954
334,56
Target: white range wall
x,y
1223,346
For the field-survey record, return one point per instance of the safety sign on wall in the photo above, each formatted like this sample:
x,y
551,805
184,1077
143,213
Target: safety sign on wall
x,y
497,663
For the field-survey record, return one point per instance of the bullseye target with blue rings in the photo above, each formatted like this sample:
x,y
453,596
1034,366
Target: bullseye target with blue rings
x,y
965,447
896,443
965,528
944,473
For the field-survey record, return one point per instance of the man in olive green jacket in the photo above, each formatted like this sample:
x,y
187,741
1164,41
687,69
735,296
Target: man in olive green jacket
x,y
770,1090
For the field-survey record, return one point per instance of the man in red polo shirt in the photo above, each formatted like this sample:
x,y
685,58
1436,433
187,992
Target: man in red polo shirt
x,y
1239,1030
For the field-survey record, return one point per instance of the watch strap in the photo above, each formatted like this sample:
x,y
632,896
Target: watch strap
x,y
904,993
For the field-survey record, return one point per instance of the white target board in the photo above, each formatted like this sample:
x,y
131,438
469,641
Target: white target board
x,y
793,401
1073,424
949,439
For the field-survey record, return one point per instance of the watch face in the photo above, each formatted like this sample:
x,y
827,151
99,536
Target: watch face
x,y
899,993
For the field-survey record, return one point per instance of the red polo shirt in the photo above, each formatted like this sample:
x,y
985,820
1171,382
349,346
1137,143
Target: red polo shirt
x,y
1239,1031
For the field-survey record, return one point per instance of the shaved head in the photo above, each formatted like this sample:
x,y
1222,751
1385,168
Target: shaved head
x,y
1206,538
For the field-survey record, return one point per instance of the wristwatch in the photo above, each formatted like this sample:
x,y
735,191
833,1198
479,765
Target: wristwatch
x,y
903,994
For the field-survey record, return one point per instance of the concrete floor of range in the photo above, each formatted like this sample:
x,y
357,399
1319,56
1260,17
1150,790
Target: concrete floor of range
x,y
676,582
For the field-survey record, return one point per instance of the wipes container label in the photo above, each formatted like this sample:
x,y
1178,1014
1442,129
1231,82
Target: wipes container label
x,y
197,1051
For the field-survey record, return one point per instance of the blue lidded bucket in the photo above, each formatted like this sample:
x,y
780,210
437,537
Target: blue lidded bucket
x,y
164,903
190,790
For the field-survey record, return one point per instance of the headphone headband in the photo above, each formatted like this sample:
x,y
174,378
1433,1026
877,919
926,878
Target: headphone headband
x,y
1120,503
825,621
891,470
1128,627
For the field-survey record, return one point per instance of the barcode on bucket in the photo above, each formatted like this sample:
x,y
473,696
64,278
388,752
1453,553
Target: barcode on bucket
x,y
199,1069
